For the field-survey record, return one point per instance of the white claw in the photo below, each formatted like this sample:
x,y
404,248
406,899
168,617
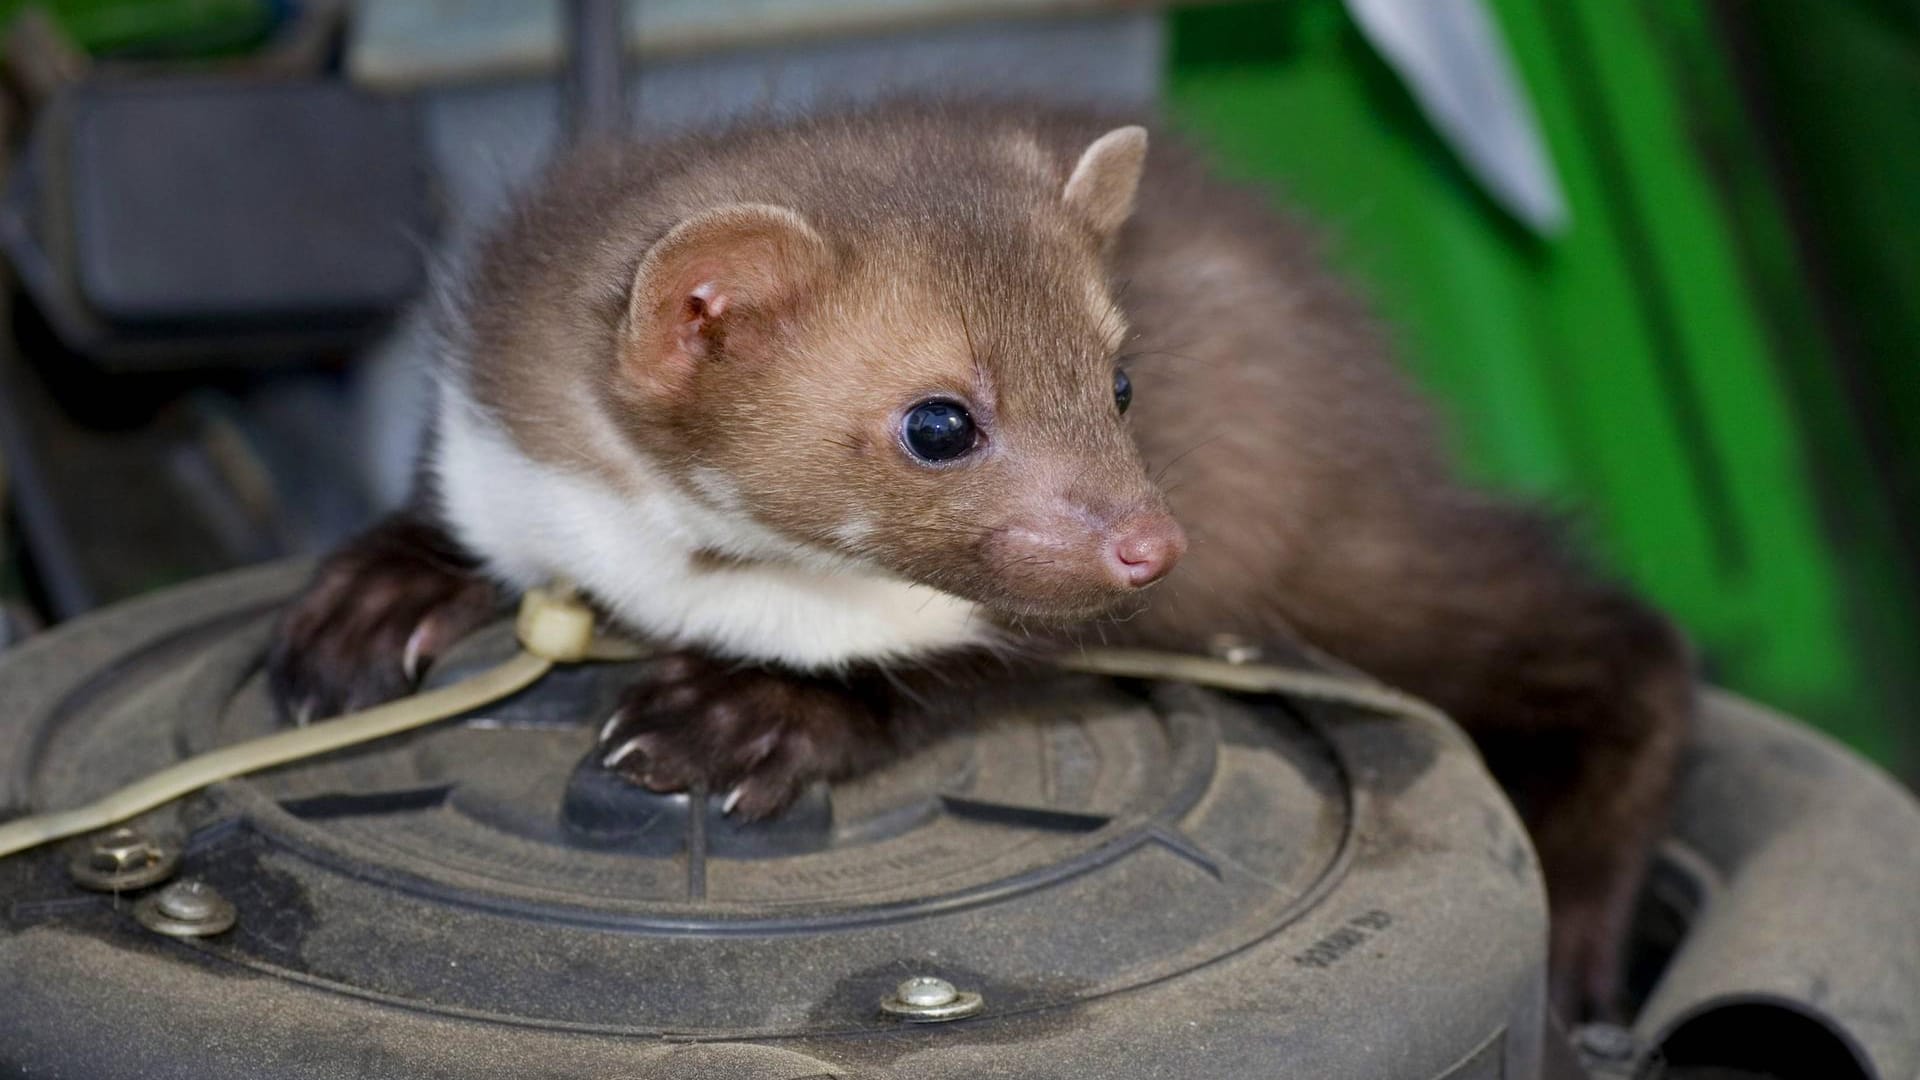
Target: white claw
x,y
410,656
621,752
732,800
606,729
303,714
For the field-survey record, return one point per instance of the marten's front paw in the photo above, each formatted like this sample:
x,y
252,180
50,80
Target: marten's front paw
x,y
760,736
377,613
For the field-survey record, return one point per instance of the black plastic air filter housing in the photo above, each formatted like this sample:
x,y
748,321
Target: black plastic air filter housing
x,y
167,222
1158,884
1139,881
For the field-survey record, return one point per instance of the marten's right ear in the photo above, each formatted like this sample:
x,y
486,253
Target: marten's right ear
x,y
1104,180
704,277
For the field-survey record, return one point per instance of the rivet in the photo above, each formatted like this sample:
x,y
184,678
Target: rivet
x,y
925,990
186,909
926,999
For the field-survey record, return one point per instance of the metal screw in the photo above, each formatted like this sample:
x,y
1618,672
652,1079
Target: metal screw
x,y
189,901
925,999
1234,649
186,909
1605,1043
122,860
926,991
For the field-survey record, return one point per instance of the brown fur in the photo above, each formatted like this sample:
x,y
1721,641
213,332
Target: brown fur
x,y
938,256
954,269
345,646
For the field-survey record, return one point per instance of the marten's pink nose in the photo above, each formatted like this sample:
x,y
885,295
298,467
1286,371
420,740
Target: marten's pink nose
x,y
1144,549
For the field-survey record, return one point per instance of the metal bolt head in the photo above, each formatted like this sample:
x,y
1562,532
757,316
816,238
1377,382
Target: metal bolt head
x,y
925,999
120,848
122,860
925,990
189,900
186,909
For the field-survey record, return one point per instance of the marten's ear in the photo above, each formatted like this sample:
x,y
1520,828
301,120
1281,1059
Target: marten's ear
x,y
708,274
1102,186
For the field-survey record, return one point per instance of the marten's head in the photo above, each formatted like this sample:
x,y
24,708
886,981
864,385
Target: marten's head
x,y
912,363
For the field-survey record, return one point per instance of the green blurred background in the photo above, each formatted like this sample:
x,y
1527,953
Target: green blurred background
x,y
1715,364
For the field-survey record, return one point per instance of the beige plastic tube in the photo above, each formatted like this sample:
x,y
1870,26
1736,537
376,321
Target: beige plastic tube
x,y
555,627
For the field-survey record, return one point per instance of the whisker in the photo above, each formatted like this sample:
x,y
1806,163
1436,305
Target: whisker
x,y
1162,471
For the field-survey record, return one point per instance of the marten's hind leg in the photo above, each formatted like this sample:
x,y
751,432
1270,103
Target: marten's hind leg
x,y
1579,694
1587,744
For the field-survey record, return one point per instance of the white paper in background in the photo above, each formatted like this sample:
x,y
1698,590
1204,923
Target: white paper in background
x,y
1455,63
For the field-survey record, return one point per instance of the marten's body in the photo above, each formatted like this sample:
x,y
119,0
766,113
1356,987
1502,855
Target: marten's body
x,y
832,408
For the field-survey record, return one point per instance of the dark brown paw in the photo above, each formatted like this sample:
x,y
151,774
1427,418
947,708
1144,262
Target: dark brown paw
x,y
375,616
761,736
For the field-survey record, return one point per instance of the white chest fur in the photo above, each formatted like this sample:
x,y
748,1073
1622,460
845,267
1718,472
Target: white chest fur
x,y
635,551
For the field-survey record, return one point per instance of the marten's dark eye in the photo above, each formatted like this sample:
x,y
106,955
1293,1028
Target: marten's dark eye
x,y
938,431
1122,389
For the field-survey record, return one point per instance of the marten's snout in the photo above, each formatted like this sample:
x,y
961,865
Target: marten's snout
x,y
1144,547
1067,560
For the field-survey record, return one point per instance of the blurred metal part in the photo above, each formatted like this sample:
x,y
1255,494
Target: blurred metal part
x,y
1456,65
1815,923
44,534
17,624
41,59
147,242
493,109
399,45
596,81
